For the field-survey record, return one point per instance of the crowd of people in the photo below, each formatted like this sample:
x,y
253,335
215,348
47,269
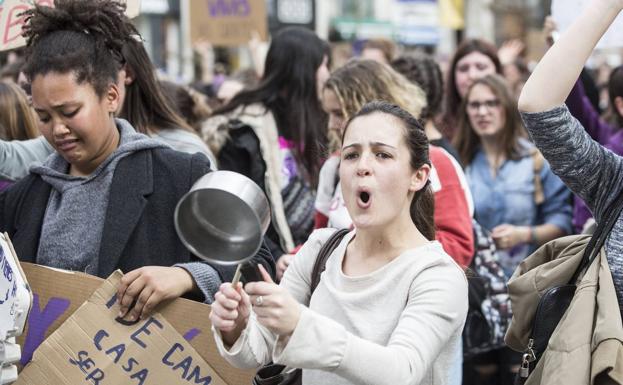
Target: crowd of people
x,y
415,164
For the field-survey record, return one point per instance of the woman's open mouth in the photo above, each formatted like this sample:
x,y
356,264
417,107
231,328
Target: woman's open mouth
x,y
364,199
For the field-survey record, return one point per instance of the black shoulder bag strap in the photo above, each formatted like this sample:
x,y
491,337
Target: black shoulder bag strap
x,y
324,254
598,240
273,374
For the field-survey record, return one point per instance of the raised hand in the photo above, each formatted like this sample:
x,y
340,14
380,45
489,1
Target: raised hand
x,y
510,51
573,49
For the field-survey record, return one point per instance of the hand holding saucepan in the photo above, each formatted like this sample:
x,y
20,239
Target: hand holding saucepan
x,y
230,311
222,219
275,308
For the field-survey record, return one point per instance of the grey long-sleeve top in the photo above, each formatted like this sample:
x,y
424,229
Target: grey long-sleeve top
x,y
587,168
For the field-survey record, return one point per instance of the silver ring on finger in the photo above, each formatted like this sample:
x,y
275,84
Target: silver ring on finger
x,y
259,300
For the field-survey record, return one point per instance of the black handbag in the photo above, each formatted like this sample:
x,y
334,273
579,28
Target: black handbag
x,y
555,302
275,374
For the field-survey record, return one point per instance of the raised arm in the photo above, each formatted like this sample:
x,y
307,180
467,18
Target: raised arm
x,y
567,57
588,169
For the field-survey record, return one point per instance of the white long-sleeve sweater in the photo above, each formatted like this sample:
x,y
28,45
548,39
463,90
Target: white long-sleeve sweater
x,y
400,324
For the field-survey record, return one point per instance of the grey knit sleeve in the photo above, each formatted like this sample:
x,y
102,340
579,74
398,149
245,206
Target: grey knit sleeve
x,y
588,169
206,278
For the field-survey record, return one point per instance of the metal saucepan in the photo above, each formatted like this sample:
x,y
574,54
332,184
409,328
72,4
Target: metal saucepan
x,y
223,218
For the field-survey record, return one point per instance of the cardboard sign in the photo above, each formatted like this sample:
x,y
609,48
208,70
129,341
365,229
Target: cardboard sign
x,y
227,22
92,347
11,22
565,12
57,294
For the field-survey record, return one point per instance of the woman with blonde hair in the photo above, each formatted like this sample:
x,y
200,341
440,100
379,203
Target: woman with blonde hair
x,y
360,81
17,120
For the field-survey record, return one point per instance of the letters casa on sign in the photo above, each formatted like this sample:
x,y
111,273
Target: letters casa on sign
x,y
174,346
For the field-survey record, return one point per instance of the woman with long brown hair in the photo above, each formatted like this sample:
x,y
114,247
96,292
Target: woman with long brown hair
x,y
516,195
473,59
275,133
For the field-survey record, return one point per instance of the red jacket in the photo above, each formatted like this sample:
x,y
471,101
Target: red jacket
x,y
453,219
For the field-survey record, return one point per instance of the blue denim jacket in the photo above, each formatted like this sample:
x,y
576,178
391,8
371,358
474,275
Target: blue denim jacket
x,y
509,198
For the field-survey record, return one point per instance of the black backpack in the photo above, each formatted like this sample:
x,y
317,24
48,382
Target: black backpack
x,y
489,313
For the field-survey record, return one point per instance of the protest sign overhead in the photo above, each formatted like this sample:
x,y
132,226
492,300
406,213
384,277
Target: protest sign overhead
x,y
11,22
228,22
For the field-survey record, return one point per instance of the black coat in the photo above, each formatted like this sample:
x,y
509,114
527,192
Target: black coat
x,y
242,154
139,229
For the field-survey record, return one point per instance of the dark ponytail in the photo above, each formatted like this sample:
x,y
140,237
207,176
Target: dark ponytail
x,y
423,211
422,207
